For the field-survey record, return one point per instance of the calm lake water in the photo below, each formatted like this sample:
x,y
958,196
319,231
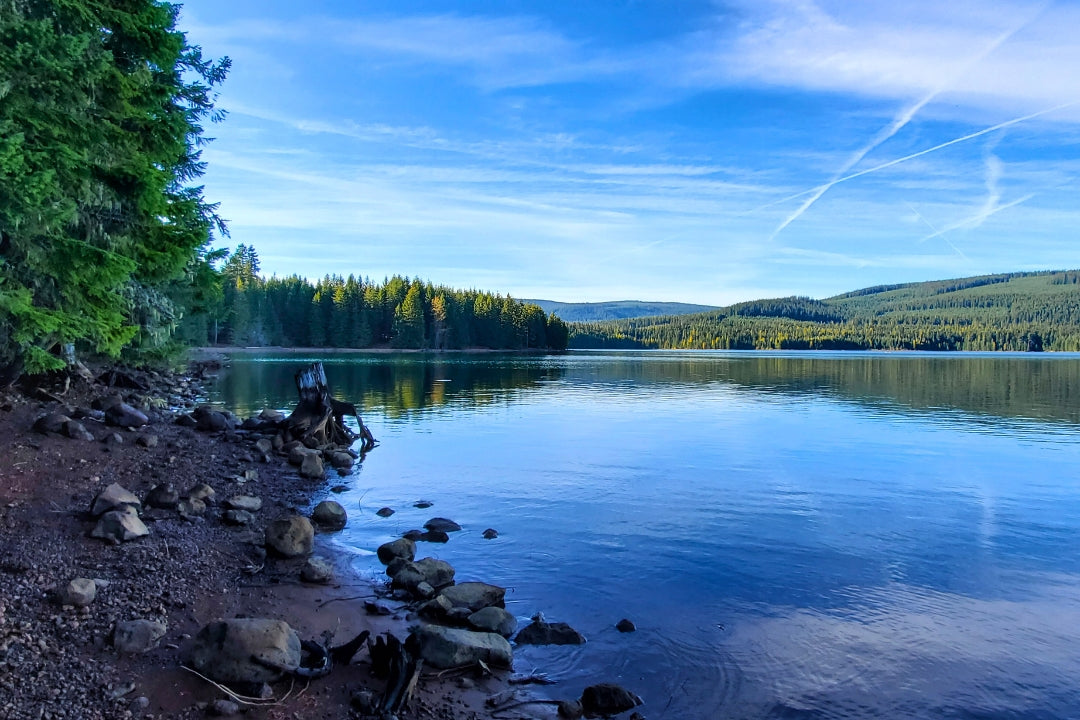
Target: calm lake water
x,y
795,535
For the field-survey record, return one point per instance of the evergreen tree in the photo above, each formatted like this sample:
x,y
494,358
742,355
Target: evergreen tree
x,y
409,320
100,122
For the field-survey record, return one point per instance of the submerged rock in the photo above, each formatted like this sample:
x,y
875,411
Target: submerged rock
x,y
384,512
540,632
625,626
606,699
491,534
442,525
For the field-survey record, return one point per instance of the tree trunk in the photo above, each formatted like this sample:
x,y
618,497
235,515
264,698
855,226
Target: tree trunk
x,y
318,418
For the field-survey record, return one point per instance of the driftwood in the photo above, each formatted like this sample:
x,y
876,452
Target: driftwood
x,y
390,658
318,418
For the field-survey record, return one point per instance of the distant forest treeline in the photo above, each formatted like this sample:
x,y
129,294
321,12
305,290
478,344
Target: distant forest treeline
x,y
252,310
1013,311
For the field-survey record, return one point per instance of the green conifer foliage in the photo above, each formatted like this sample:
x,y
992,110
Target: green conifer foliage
x,y
101,111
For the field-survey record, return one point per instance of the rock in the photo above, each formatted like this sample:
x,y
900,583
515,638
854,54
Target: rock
x,y
423,590
237,517
113,497
202,491
191,507
106,401
298,452
136,636
493,619
384,512
277,443
312,466
317,570
423,504
51,423
442,525
625,626
474,596
163,496
429,571
436,609
401,548
211,421
80,592
147,441
374,608
223,708
113,439
365,702
607,699
444,647
269,415
434,536
329,514
117,526
491,534
544,633
187,421
570,709
291,536
264,446
338,489
244,502
77,431
252,650
341,460
413,535
139,704
123,415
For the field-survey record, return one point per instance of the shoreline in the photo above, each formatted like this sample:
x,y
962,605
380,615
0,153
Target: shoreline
x,y
58,660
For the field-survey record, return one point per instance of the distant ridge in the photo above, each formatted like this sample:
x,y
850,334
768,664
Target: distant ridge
x,y
616,309
1023,311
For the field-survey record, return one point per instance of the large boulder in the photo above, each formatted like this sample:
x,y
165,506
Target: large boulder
x,y
117,526
475,595
539,632
113,497
329,515
607,699
123,415
444,647
246,650
137,636
410,575
291,536
493,619
400,548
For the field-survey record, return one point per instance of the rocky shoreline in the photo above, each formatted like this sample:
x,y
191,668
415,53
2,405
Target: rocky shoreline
x,y
143,534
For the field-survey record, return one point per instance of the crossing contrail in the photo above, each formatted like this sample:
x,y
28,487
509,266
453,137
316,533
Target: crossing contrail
x,y
903,119
927,151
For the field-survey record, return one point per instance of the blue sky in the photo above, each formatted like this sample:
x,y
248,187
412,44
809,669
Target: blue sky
x,y
648,149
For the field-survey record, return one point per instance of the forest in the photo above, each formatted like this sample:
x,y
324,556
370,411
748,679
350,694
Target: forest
x,y
1010,311
251,310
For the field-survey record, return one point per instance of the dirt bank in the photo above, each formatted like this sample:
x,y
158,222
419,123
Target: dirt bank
x,y
58,661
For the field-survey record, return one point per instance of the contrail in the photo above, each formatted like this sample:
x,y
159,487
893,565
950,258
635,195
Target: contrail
x,y
978,219
904,118
931,226
897,161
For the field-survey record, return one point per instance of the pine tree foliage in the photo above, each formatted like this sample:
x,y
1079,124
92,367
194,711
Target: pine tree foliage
x,y
355,312
102,105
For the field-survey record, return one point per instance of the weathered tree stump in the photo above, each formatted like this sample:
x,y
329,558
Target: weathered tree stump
x,y
318,419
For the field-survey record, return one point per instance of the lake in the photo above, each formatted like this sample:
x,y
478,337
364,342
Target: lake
x,y
795,535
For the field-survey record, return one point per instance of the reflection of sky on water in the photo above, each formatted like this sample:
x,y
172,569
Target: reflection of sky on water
x,y
785,552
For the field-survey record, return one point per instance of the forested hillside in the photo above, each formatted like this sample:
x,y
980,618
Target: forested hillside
x,y
357,313
1012,311
617,309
